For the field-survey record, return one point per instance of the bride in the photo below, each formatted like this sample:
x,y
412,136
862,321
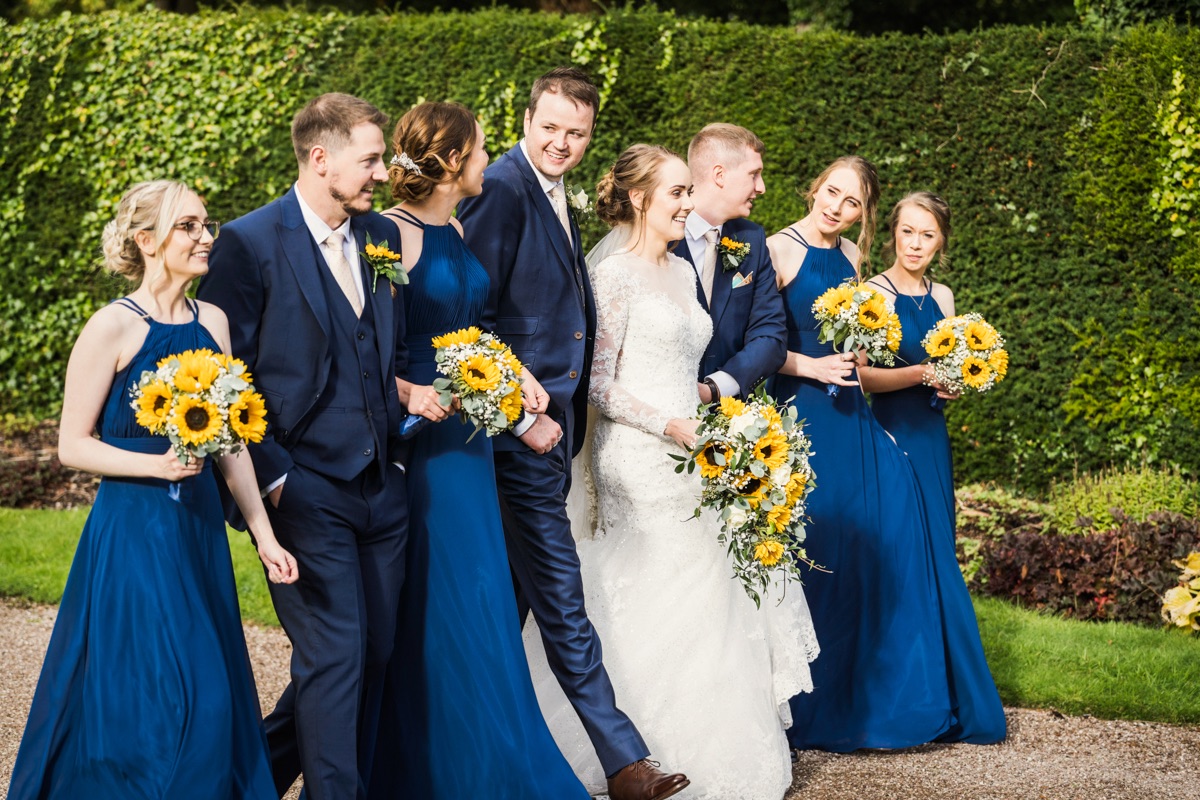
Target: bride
x,y
689,654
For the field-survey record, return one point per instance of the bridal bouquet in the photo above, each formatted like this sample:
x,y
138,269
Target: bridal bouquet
x,y
753,461
485,375
202,401
966,353
856,316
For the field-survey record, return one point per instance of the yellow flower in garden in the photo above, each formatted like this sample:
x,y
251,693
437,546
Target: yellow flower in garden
x,y
754,490
998,361
979,335
769,552
510,404
197,370
873,313
248,416
837,298
198,421
975,372
731,407
780,516
772,448
154,406
706,459
942,343
1181,608
465,336
1189,565
480,373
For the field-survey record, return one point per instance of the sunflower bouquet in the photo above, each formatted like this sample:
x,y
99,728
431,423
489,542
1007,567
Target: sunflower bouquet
x,y
754,467
202,401
966,353
855,316
485,375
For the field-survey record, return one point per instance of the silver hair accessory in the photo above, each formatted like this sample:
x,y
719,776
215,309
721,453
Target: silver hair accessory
x,y
403,160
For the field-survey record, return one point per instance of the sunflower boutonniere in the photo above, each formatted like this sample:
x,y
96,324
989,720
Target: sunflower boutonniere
x,y
733,253
385,263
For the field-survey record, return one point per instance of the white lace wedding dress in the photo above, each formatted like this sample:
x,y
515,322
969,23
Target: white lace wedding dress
x,y
703,674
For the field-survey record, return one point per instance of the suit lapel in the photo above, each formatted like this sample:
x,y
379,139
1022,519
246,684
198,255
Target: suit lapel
x,y
300,251
683,251
545,212
379,295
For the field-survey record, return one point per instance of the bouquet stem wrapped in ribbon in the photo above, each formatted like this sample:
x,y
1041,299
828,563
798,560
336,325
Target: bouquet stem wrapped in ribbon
x,y
753,459
966,352
203,402
856,316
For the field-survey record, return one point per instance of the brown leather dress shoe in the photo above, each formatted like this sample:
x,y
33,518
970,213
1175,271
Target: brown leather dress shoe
x,y
642,780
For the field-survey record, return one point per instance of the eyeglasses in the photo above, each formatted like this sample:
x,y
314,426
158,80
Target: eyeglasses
x,y
195,228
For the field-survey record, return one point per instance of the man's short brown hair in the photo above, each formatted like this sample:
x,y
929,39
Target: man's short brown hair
x,y
328,120
721,140
571,83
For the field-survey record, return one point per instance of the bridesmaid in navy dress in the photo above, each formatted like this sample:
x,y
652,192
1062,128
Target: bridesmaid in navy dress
x,y
460,716
881,680
146,690
908,402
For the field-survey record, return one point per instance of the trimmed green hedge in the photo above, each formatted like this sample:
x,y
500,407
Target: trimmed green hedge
x,y
1050,145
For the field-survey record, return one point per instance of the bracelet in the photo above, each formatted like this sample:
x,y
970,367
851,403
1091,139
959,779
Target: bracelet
x,y
712,387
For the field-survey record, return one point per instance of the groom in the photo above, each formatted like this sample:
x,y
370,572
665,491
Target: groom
x,y
541,305
323,337
749,341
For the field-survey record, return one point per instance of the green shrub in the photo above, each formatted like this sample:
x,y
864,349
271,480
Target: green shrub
x,y
1095,502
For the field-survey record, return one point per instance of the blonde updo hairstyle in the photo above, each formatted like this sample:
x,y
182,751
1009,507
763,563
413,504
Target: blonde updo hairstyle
x,y
636,169
151,206
430,134
926,201
868,179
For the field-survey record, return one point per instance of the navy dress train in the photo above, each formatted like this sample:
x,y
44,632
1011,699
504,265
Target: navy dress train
x,y
920,430
460,718
146,690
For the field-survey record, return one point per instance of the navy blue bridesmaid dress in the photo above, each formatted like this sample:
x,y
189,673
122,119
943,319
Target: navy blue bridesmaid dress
x,y
146,690
880,681
919,427
460,718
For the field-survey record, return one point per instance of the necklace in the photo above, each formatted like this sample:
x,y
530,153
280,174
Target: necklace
x,y
928,290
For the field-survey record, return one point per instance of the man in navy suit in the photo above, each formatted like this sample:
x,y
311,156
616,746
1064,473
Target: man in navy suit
x,y
322,335
541,305
749,341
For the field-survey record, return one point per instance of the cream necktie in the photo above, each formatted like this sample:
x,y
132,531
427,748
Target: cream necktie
x,y
560,208
708,264
340,267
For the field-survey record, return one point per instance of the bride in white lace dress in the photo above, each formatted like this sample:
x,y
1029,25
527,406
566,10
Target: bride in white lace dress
x,y
707,674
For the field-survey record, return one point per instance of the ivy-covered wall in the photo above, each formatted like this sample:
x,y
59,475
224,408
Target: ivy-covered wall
x,y
1070,160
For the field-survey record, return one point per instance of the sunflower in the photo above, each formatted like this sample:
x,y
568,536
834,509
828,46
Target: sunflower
x,y
731,407
754,489
998,361
199,422
197,370
154,406
780,516
769,552
894,332
706,459
941,343
248,416
836,299
772,448
234,366
975,372
463,336
795,487
872,312
979,335
480,373
510,404
381,251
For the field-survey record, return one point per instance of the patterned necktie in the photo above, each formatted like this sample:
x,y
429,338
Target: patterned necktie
x,y
560,208
340,267
708,264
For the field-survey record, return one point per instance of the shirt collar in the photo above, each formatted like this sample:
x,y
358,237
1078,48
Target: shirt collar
x,y
696,226
316,226
545,182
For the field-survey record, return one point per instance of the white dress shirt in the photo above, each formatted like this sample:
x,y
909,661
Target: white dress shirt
x,y
694,230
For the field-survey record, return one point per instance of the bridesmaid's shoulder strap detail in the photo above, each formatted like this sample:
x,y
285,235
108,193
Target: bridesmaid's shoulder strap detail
x,y
402,215
195,307
132,306
794,236
891,285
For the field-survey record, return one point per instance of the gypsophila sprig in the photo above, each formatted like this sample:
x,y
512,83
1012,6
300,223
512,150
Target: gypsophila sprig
x,y
485,375
1181,604
202,401
966,353
754,467
732,253
577,198
385,263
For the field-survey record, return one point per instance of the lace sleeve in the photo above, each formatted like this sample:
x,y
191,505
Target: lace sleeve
x,y
615,289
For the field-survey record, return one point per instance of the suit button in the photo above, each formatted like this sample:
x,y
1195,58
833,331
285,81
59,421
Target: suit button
x,y
578,334
366,374
362,336
573,374
366,452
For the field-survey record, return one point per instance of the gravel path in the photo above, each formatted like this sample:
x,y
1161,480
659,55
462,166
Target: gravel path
x,y
1047,756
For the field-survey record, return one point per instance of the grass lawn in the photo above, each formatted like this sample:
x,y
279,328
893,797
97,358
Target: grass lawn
x,y
1111,670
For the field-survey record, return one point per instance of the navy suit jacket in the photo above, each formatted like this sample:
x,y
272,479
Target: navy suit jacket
x,y
749,323
540,302
264,274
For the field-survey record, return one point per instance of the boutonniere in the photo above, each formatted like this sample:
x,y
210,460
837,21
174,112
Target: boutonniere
x,y
577,198
733,253
385,263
